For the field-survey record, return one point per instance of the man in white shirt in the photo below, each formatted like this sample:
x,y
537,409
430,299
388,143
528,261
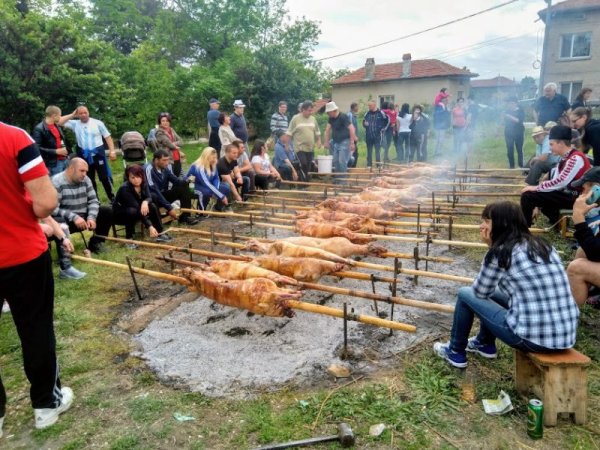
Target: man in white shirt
x,y
91,135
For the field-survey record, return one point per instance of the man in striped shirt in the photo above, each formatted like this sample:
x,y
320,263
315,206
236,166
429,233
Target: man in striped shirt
x,y
26,280
279,120
78,205
557,193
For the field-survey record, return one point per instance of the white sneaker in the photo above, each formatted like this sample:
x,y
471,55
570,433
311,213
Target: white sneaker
x,y
1,424
44,417
71,274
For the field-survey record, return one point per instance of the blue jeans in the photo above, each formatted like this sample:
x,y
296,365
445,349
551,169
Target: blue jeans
x,y
492,315
61,165
341,156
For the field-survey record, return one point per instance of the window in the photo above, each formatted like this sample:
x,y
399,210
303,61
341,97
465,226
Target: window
x,y
385,99
460,94
570,89
575,45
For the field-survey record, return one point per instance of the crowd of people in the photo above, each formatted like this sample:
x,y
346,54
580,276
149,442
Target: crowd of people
x,y
522,295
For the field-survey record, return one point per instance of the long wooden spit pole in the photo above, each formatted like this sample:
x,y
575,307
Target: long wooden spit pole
x,y
439,259
294,304
387,238
350,292
193,251
365,265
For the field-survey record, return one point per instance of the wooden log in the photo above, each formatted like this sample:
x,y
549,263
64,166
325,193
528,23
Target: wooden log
x,y
294,304
350,292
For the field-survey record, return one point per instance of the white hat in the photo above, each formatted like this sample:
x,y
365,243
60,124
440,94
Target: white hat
x,y
331,106
238,104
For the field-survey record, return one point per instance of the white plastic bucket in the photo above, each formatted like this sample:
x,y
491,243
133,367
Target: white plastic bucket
x,y
324,163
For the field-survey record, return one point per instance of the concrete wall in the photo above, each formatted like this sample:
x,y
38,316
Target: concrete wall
x,y
421,90
586,70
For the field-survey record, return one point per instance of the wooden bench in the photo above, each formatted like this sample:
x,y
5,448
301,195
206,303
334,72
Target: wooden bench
x,y
558,379
565,215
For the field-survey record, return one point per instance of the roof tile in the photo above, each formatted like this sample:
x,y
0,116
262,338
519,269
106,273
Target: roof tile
x,y
421,68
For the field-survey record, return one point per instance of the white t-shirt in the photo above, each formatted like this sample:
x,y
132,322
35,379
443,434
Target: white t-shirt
x,y
404,122
89,134
264,162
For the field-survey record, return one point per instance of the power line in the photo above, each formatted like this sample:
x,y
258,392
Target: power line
x,y
419,32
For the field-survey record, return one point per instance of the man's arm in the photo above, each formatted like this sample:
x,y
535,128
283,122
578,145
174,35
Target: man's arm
x,y
327,135
44,196
67,117
353,137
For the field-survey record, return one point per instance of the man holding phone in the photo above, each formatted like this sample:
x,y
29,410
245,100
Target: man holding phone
x,y
584,270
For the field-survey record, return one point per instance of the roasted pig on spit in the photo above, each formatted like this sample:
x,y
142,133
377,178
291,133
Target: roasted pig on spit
x,y
257,295
302,269
406,194
311,228
281,248
339,245
238,270
353,222
371,209
395,183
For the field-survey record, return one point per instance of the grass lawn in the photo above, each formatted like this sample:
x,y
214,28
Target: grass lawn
x,y
120,404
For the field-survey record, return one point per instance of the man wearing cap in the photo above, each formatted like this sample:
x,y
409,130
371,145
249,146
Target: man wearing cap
x,y
551,106
544,160
558,192
279,120
238,122
342,135
305,133
212,118
584,270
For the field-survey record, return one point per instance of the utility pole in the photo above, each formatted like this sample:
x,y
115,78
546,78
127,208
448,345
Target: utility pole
x,y
545,55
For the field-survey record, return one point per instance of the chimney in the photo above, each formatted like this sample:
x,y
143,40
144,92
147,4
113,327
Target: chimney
x,y
406,62
370,69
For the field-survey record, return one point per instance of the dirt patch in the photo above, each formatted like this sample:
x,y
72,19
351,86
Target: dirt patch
x,y
221,351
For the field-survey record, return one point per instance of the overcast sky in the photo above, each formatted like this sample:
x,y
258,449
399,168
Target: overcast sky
x,y
506,41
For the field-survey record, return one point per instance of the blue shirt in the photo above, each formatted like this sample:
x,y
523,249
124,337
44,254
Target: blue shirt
x,y
213,119
551,110
281,154
541,306
239,128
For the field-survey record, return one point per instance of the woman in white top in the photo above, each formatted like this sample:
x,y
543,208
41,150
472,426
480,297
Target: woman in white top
x,y
226,134
265,172
403,130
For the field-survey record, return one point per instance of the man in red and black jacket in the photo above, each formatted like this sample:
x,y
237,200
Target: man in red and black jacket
x,y
49,137
26,281
558,192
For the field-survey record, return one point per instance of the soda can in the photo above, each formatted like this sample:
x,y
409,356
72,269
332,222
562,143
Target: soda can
x,y
535,419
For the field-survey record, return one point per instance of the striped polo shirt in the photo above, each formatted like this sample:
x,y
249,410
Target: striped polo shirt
x,y
74,199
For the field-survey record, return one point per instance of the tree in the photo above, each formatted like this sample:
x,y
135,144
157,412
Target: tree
x,y
46,60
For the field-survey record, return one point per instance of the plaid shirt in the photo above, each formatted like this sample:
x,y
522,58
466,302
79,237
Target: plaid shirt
x,y
541,307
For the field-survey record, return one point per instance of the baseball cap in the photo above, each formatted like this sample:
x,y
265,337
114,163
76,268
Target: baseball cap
x,y
213,100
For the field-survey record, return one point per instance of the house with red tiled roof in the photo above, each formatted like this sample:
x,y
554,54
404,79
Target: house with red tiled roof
x,y
408,81
571,56
494,91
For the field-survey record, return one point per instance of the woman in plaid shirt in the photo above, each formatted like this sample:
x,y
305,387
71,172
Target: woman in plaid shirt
x,y
521,295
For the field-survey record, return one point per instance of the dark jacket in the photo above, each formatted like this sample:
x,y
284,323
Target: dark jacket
x,y
374,123
158,183
591,138
127,197
47,143
589,243
239,127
